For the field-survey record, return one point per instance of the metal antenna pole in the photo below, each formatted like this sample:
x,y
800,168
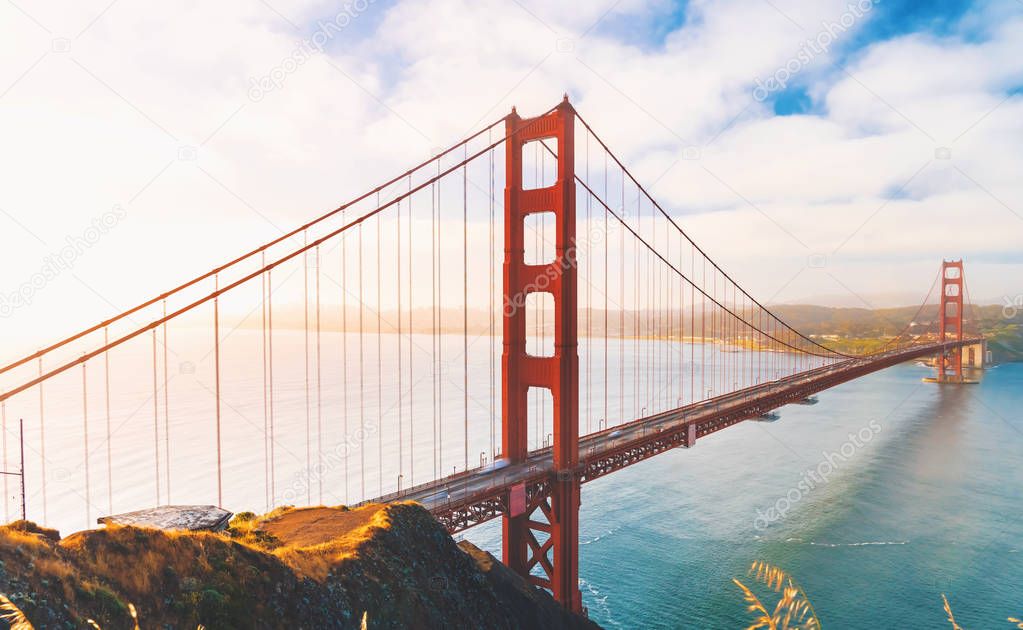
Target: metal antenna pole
x,y
21,440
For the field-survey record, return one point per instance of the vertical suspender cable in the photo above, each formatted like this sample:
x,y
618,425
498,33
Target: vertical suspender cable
x,y
493,339
750,346
647,311
440,325
607,420
692,326
715,379
3,430
434,263
681,328
319,386
156,423
380,369
270,390
669,354
648,318
216,361
106,394
465,302
760,345
741,334
703,334
411,416
42,443
636,316
743,330
266,410
85,434
401,373
654,308
655,316
344,354
621,317
362,384
663,325
166,408
589,294
305,369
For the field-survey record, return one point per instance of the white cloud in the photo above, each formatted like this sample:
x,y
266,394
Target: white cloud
x,y
83,132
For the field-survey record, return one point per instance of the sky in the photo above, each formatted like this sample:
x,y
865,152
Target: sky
x,y
820,151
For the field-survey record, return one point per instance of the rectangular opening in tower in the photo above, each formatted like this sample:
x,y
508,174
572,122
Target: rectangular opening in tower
x,y
539,232
540,324
539,163
539,417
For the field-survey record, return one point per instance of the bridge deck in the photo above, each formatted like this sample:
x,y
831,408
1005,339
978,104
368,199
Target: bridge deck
x,y
470,498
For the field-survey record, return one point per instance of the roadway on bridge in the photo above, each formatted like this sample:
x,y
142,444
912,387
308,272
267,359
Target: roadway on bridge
x,y
488,481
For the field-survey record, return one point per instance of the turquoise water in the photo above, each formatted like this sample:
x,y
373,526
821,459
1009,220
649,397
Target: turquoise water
x,y
929,504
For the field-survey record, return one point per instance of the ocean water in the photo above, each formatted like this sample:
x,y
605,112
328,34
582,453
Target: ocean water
x,y
929,505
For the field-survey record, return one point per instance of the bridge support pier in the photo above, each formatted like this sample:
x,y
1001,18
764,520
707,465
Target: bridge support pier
x,y
950,321
542,530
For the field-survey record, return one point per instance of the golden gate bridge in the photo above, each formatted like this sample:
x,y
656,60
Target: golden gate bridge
x,y
617,332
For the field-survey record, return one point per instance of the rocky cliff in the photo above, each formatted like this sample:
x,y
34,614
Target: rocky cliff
x,y
311,568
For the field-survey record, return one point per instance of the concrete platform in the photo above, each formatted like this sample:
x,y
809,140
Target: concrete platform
x,y
174,517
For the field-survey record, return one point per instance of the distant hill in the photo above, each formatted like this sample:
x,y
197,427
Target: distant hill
x,y
858,328
1002,326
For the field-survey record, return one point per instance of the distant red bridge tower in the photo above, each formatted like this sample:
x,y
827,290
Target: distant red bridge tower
x,y
950,319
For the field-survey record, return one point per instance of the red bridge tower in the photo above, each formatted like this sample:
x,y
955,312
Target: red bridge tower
x,y
950,321
551,543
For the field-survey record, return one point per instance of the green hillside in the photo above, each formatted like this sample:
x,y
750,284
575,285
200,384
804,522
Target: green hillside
x,y
861,329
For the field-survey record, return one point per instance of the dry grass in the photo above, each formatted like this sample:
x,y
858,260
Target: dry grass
x,y
102,570
22,543
152,552
13,615
301,530
311,541
134,617
948,611
128,564
792,611
955,624
24,539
